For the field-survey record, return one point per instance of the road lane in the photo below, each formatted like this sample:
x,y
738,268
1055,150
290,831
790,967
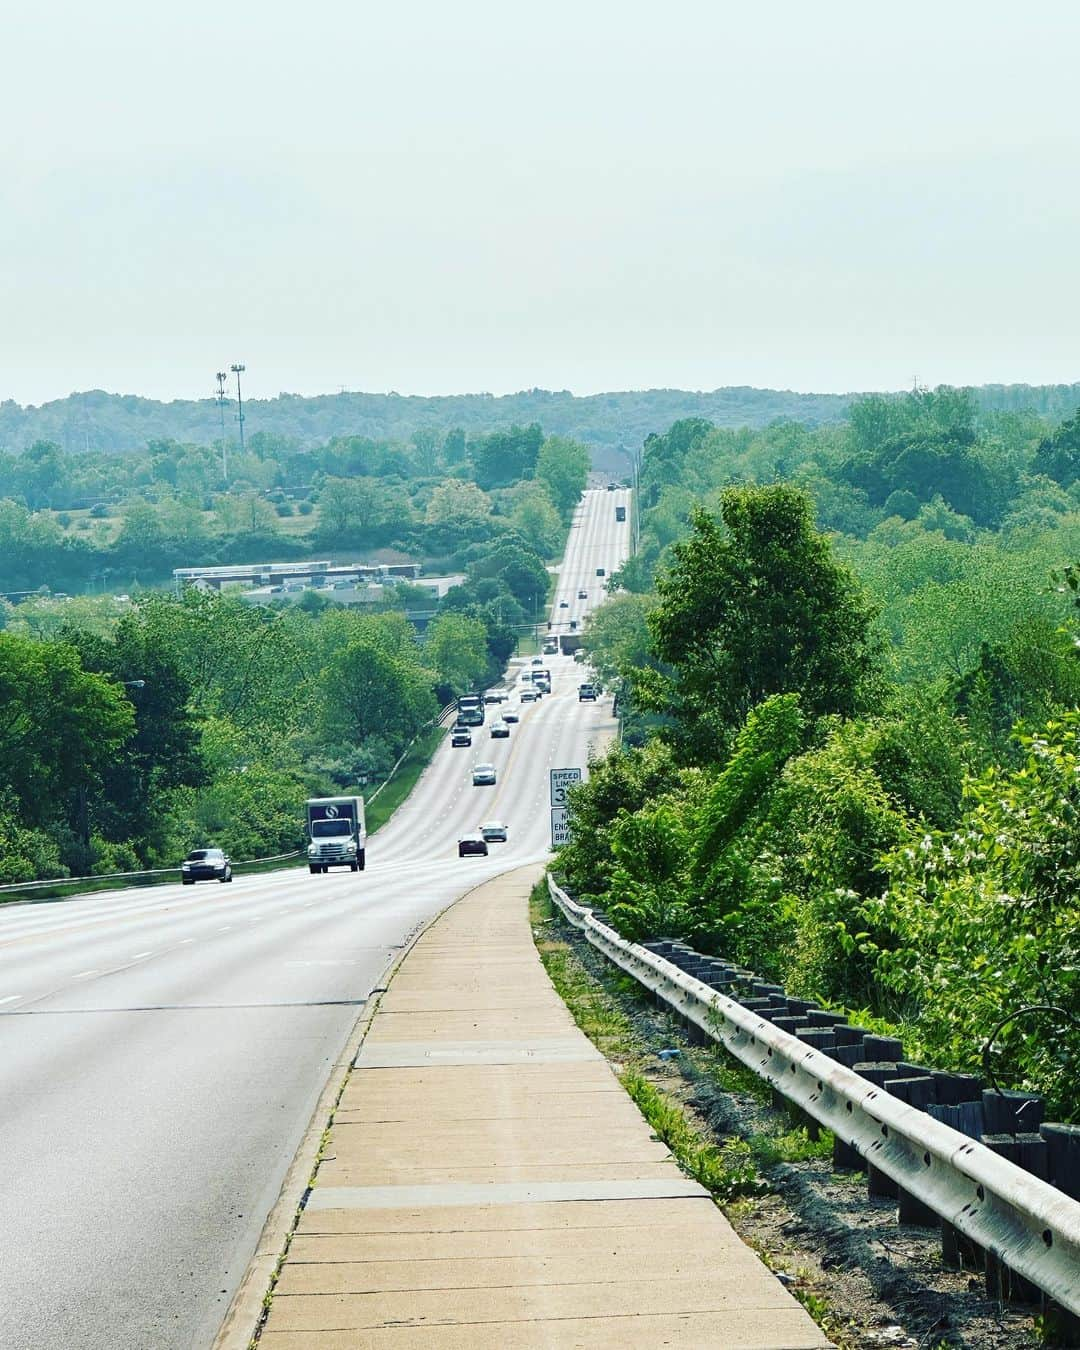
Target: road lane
x,y
161,1050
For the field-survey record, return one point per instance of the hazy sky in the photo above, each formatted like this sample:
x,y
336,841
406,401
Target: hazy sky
x,y
462,196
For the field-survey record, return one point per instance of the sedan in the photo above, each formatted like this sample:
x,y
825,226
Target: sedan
x,y
510,715
483,775
472,844
493,831
205,864
583,595
499,730
564,604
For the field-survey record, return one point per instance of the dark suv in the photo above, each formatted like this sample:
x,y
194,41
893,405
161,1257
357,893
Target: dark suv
x,y
205,864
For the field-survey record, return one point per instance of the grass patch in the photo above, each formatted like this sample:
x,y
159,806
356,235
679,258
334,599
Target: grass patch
x,y
590,1005
729,1170
398,788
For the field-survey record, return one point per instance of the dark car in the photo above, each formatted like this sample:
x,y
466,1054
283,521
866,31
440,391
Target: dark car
x,y
461,736
583,595
472,843
600,572
564,604
205,864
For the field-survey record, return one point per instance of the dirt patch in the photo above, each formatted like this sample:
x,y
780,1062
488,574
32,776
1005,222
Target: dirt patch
x,y
868,1281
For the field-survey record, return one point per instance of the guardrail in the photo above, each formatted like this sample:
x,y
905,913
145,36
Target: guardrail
x,y
1022,1223
13,886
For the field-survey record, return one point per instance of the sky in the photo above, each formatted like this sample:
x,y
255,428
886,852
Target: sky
x,y
598,195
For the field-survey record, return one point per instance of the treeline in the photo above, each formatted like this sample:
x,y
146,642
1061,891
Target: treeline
x,y
144,515
851,762
98,421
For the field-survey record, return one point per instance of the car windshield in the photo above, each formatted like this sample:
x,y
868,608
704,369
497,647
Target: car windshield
x,y
201,854
329,829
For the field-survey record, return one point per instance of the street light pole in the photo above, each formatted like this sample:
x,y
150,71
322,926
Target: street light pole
x,y
238,370
222,377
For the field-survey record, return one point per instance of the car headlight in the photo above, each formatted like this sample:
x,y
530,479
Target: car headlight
x,y
312,850
350,847
185,867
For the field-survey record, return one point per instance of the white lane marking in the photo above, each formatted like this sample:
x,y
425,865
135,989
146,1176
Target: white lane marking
x,y
184,941
226,929
10,998
84,974
139,956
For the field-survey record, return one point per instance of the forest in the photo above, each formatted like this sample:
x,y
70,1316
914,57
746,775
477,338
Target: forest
x,y
848,663
120,423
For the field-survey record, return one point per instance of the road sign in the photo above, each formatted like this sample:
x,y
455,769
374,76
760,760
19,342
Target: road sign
x,y
560,826
561,782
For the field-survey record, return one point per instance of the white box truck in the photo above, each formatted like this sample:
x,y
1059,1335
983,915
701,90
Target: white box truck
x,y
338,833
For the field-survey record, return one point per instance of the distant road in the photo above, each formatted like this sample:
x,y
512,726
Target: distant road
x,y
162,1050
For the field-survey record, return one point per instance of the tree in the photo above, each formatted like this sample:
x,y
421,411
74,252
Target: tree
x,y
756,606
457,503
520,570
1058,455
616,637
362,510
367,692
563,467
502,457
536,520
60,726
457,649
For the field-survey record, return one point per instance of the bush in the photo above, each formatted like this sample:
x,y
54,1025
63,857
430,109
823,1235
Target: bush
x,y
305,508
284,508
100,510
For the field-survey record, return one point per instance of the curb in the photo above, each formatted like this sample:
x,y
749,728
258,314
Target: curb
x,y
243,1319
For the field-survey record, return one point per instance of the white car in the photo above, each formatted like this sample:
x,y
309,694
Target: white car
x,y
510,715
494,832
529,696
483,775
499,730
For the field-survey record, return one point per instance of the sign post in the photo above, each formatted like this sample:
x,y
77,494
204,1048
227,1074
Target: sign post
x,y
562,780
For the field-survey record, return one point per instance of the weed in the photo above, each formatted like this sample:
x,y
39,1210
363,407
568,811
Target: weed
x,y
727,1171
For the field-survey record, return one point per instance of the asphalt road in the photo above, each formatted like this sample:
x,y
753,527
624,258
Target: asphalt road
x,y
162,1050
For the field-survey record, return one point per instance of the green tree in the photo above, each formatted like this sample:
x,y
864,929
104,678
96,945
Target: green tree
x,y
456,648
536,520
60,727
457,503
755,608
367,692
502,457
562,465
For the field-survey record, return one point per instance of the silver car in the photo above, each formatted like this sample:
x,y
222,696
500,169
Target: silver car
x,y
483,775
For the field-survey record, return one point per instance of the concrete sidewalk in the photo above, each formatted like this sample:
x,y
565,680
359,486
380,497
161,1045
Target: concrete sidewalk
x,y
488,1183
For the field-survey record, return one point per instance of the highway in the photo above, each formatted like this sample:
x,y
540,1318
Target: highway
x,y
596,537
162,1050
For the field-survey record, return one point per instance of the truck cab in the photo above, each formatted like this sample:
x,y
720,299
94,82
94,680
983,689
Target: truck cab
x,y
337,829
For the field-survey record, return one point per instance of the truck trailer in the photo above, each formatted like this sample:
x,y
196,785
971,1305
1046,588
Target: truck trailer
x,y
338,832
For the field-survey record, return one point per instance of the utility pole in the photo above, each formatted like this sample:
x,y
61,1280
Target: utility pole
x,y
222,378
238,371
